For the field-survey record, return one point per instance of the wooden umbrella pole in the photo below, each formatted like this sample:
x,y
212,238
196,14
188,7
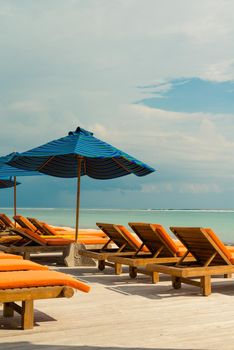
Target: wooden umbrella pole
x,y
15,197
79,161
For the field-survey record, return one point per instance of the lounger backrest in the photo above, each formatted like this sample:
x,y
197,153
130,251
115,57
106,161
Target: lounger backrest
x,y
35,223
2,225
116,235
129,236
203,243
24,222
44,228
154,237
6,220
30,235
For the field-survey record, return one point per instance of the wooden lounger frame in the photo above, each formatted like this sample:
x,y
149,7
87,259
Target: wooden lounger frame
x,y
6,221
40,227
125,247
27,296
26,251
210,260
33,246
160,252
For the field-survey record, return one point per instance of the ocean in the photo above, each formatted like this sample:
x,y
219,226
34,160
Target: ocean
x,y
221,221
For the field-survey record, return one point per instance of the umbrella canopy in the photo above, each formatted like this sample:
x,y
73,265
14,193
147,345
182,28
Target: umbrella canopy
x,y
78,154
9,171
7,183
100,159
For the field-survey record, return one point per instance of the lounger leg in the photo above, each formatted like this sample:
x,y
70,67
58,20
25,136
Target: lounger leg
x,y
206,285
26,255
132,271
27,314
155,277
118,268
228,275
101,265
8,311
176,282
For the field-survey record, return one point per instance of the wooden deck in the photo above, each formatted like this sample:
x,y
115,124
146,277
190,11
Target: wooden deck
x,y
120,313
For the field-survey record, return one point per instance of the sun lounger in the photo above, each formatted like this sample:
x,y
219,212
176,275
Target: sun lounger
x,y
5,221
162,250
34,243
45,232
58,231
211,258
125,244
27,286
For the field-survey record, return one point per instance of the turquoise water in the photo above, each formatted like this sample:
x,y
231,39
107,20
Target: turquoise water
x,y
222,221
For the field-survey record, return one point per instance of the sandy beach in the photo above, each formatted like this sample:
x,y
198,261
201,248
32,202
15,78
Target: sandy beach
x,y
120,313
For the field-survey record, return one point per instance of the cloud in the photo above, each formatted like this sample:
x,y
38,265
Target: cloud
x,y
182,187
193,95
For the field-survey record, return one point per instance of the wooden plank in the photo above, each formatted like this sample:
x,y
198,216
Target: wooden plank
x,y
8,310
206,285
20,294
139,261
192,271
27,314
103,255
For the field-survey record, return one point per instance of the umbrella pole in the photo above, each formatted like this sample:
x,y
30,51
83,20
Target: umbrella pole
x,y
15,197
79,160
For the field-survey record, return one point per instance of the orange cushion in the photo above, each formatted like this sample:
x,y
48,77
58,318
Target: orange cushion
x,y
182,251
71,233
21,279
219,243
166,237
81,233
178,243
92,240
232,258
10,256
58,241
65,241
25,222
50,230
20,264
34,235
136,242
230,248
9,239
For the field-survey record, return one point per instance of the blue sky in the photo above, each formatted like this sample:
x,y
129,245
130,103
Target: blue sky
x,y
154,78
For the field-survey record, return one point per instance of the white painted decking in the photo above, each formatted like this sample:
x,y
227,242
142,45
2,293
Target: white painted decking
x,y
120,313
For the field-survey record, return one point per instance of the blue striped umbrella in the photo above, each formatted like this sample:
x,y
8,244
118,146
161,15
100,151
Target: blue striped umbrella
x,y
7,171
78,154
7,183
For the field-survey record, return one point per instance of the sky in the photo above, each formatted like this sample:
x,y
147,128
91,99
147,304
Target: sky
x,y
154,78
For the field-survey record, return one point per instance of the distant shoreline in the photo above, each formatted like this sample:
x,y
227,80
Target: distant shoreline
x,y
121,209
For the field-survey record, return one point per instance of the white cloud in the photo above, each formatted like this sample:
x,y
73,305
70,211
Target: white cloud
x,y
198,188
